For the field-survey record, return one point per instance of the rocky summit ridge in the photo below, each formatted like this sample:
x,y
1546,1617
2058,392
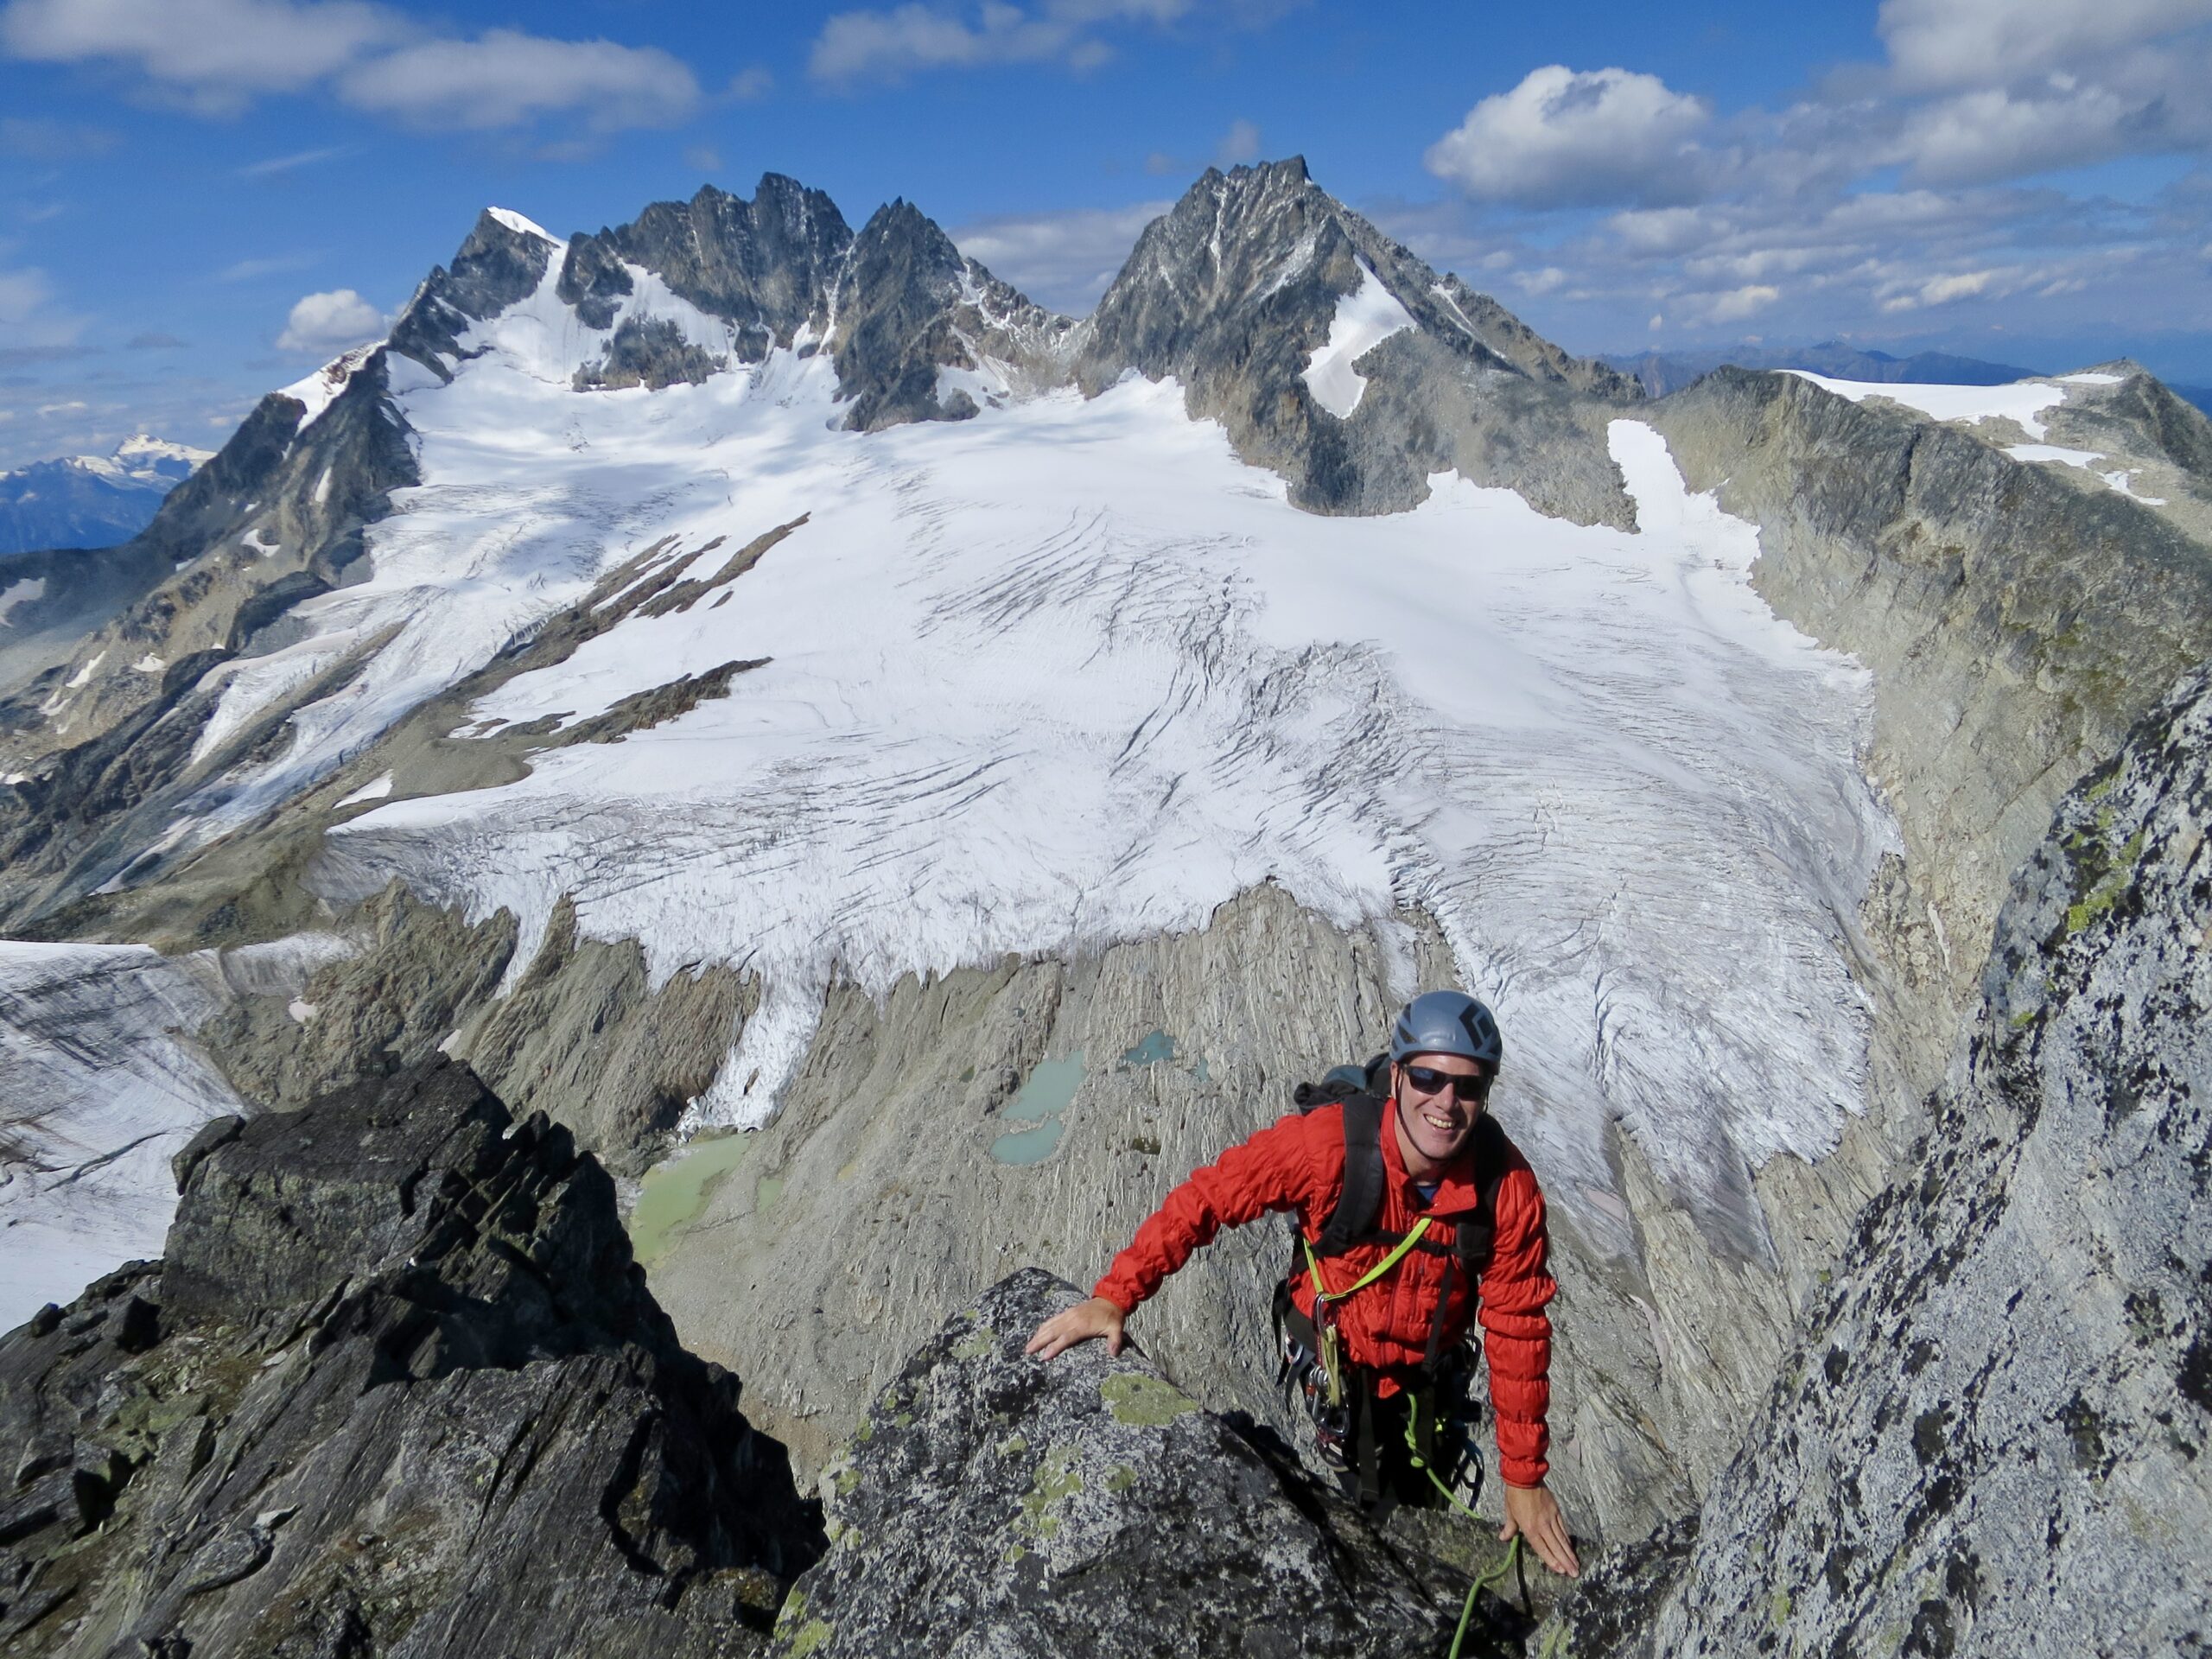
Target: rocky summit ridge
x,y
916,332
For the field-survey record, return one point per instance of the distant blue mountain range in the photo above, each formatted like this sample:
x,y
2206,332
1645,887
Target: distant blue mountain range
x,y
90,500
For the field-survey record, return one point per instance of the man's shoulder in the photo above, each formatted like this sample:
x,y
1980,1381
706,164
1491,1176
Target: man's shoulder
x,y
1321,1124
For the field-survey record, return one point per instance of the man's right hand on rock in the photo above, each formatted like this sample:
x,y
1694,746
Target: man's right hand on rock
x,y
1095,1318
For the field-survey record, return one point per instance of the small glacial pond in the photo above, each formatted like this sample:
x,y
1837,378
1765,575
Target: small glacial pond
x,y
673,1193
1157,1049
1045,1094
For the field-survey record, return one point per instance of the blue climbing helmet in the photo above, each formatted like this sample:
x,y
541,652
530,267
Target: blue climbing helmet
x,y
1446,1022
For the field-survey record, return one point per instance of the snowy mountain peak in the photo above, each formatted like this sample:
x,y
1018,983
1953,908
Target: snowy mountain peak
x,y
520,225
765,267
501,264
90,500
143,451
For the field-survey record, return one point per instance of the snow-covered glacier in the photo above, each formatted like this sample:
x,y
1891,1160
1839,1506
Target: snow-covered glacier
x,y
1070,672
102,1086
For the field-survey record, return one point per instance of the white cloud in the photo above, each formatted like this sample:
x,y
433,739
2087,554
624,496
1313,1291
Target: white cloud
x,y
23,293
856,46
1939,44
246,270
1943,290
218,55
37,139
1062,260
31,328
1540,282
292,163
1661,230
1563,139
1740,303
1991,134
750,85
1239,143
330,322
507,77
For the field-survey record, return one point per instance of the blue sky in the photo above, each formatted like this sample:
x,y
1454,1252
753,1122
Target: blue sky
x,y
200,200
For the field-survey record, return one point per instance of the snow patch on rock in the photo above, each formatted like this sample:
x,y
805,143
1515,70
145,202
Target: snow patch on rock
x,y
1365,318
321,389
375,791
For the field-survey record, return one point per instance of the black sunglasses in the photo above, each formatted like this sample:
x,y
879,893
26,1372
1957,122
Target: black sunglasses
x,y
1429,1081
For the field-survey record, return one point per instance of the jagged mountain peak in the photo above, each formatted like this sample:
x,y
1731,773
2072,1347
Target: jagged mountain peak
x,y
1276,307
1244,239
763,266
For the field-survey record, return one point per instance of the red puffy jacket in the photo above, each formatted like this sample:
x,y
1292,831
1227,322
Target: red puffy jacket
x,y
1299,1164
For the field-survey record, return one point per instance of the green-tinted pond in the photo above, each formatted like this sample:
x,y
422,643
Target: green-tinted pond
x,y
1157,1049
673,1193
1043,1096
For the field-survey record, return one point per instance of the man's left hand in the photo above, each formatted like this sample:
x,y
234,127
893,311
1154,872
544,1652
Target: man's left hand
x,y
1533,1512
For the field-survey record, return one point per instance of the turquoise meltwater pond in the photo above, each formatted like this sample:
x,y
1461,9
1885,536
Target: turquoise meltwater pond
x,y
1045,1094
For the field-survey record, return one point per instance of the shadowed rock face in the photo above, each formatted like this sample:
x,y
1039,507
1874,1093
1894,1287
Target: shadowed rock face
x,y
395,1387
1990,1435
2016,626
993,1503
767,265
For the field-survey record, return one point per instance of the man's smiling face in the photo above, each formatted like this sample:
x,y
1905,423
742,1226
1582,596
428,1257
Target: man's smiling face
x,y
1434,1122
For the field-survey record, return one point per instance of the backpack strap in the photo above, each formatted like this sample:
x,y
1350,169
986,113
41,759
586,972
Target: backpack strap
x,y
1361,1201
1477,1235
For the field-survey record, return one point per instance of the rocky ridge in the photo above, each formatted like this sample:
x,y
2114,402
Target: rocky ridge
x,y
993,1503
1989,1435
395,1387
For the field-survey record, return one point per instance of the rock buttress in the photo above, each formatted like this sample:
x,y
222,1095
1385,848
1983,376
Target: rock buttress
x,y
396,1387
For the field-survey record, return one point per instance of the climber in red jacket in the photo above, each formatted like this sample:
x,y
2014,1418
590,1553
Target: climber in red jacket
x,y
1381,1303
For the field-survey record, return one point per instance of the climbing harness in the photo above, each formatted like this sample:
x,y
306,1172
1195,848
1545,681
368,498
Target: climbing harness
x,y
1325,1300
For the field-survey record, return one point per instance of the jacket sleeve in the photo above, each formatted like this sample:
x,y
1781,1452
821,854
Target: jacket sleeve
x,y
1273,1170
1518,1334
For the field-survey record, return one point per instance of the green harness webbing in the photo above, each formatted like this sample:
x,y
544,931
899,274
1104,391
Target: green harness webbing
x,y
1323,1294
1324,1328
